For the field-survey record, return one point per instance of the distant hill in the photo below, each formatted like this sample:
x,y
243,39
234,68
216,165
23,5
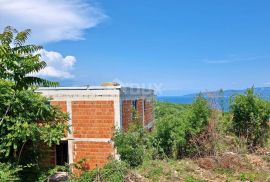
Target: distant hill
x,y
263,92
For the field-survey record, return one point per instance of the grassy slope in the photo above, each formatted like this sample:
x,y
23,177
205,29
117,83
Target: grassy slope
x,y
256,168
249,167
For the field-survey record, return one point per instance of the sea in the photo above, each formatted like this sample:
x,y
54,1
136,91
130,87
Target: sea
x,y
176,99
262,92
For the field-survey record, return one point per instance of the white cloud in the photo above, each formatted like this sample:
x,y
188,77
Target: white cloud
x,y
234,59
57,65
220,61
50,20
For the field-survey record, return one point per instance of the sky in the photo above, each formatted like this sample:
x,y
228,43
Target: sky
x,y
175,47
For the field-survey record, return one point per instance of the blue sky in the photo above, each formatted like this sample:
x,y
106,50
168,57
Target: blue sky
x,y
177,46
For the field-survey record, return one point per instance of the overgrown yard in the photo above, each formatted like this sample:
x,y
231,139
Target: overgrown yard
x,y
249,167
207,145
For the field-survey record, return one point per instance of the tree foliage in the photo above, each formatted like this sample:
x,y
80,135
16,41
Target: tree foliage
x,y
175,128
199,114
25,115
30,117
170,127
132,144
19,61
250,118
8,172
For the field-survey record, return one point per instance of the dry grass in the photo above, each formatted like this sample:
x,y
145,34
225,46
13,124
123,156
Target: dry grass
x,y
228,167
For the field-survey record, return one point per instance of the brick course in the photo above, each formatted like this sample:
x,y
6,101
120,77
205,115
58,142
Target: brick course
x,y
92,119
96,154
61,104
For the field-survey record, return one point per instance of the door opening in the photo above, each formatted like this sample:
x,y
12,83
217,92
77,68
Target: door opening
x,y
62,153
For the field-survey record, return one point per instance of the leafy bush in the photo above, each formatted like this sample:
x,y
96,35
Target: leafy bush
x,y
173,131
250,118
132,145
169,127
114,171
163,109
8,172
199,115
30,118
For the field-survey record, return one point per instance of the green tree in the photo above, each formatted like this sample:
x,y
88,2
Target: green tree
x,y
177,124
250,118
199,114
170,128
9,172
18,61
132,144
25,115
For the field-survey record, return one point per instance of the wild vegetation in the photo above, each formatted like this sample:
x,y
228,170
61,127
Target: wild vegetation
x,y
26,118
188,143
196,143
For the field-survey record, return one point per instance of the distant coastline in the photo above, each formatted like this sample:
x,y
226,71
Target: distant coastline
x,y
263,92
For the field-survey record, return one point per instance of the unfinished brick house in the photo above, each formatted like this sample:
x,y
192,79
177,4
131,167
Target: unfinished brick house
x,y
94,114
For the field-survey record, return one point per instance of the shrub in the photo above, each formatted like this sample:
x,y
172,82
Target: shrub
x,y
174,131
169,128
132,145
199,115
250,118
199,131
114,171
8,172
168,132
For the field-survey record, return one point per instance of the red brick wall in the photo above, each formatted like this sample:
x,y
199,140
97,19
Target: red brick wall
x,y
95,119
140,109
126,113
92,119
61,104
95,153
148,112
141,104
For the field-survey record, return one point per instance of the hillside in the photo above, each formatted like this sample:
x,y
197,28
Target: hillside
x,y
215,96
263,92
230,162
